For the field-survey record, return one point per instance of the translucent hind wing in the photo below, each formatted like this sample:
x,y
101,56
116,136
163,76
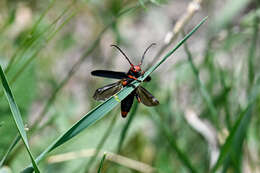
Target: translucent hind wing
x,y
146,97
103,93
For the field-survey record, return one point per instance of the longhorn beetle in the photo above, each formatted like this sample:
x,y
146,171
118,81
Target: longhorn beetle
x,y
134,72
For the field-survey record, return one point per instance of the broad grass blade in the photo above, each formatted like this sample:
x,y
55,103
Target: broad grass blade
x,y
17,116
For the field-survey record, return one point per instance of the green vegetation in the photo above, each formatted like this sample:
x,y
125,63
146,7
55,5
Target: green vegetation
x,y
208,116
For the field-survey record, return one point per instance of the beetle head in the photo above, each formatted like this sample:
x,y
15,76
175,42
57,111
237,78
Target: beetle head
x,y
136,68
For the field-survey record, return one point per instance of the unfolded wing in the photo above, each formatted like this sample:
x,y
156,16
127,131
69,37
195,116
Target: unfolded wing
x,y
146,97
105,92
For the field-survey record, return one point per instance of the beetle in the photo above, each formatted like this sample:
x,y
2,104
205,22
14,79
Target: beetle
x,y
135,71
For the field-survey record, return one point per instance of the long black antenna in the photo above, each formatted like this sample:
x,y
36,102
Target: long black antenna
x,y
145,53
122,53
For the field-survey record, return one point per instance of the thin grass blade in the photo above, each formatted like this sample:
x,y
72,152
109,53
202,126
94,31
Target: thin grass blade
x,y
17,116
252,52
238,132
28,41
184,158
173,50
101,163
13,144
101,143
226,147
204,93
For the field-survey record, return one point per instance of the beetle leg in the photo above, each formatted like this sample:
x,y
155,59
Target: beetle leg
x,y
138,98
127,82
124,82
132,77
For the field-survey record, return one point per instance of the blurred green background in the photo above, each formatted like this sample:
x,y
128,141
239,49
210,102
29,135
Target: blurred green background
x,y
209,113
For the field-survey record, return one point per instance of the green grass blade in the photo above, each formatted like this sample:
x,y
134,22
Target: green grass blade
x,y
101,163
173,50
17,116
170,138
252,52
238,132
34,55
28,41
13,144
101,143
41,40
42,16
226,15
227,146
204,93
101,110
76,66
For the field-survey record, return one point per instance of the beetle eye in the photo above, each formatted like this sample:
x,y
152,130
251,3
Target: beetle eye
x,y
137,68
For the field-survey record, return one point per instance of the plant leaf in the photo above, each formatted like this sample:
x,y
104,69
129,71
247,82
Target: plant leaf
x,y
184,158
101,163
238,132
227,146
16,116
13,144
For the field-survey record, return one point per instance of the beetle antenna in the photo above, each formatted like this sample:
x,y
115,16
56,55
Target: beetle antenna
x,y
122,53
145,53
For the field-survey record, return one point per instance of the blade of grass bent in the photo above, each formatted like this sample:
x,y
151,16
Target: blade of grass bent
x,y
16,116
101,110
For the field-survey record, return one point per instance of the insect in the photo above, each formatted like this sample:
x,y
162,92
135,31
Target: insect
x,y
135,71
